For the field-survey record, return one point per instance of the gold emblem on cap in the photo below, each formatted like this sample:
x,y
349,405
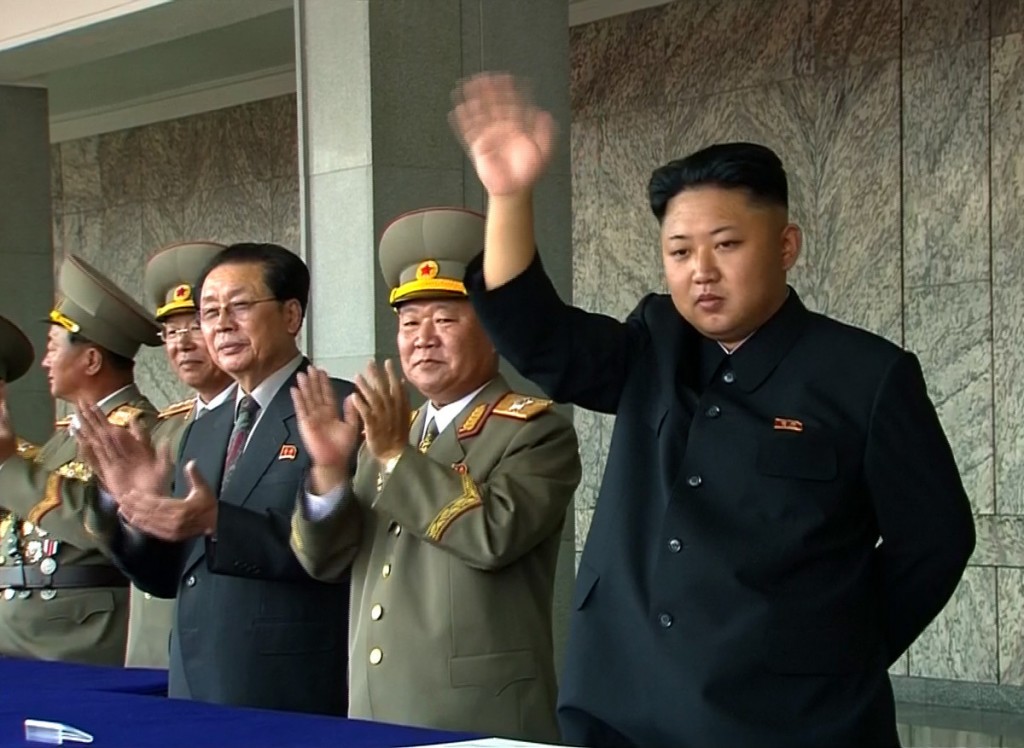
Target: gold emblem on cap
x,y
66,322
183,292
427,269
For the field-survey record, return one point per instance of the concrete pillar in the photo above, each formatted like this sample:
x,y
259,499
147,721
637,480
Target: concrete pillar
x,y
26,245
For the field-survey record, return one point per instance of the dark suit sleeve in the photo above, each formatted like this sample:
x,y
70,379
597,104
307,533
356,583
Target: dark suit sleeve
x,y
574,356
254,545
153,565
924,514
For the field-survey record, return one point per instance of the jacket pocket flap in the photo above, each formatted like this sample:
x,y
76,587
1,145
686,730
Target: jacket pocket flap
x,y
76,606
495,672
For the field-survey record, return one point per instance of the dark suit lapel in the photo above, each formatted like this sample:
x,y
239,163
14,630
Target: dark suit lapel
x,y
272,431
206,441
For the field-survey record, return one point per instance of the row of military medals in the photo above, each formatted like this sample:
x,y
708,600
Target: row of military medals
x,y
24,549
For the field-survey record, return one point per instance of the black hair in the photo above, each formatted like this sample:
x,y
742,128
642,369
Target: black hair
x,y
284,272
116,361
753,168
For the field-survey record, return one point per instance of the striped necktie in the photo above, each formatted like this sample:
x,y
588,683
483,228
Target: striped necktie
x,y
244,420
428,436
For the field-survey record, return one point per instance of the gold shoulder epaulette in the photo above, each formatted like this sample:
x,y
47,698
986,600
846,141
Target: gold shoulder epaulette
x,y
177,409
522,407
62,423
474,421
124,414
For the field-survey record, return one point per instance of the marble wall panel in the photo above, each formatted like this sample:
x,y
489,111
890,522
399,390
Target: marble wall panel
x,y
617,64
960,644
1011,626
847,33
934,24
229,175
946,165
949,328
723,45
1007,140
1007,17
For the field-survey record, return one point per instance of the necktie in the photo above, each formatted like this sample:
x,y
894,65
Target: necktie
x,y
428,437
244,419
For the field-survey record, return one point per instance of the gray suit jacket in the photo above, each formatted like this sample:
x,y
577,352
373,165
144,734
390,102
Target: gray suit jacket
x,y
251,627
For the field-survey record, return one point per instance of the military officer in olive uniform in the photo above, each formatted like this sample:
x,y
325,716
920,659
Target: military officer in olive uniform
x,y
62,600
451,523
170,289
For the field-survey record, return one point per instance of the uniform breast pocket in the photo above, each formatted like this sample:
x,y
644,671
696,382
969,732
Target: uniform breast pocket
x,y
799,456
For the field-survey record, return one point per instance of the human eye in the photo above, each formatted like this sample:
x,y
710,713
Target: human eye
x,y
239,308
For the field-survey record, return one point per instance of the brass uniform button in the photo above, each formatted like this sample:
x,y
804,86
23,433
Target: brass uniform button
x,y
376,656
376,612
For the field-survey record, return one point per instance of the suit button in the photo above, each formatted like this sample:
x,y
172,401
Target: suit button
x,y
191,581
665,620
713,412
729,377
376,656
395,529
675,545
376,612
693,481
386,571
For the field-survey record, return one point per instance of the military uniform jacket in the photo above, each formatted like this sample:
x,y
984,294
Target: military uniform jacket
x,y
251,627
47,492
453,563
149,618
731,592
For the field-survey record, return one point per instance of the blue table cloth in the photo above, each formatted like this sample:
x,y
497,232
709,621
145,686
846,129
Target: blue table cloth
x,y
41,676
110,705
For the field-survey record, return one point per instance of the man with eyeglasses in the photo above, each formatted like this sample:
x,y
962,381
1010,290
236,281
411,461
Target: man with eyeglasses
x,y
170,289
61,598
251,627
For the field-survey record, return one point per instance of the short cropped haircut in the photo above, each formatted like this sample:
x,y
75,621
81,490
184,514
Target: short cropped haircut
x,y
750,167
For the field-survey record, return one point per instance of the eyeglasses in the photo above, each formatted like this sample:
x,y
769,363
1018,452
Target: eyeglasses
x,y
236,310
180,333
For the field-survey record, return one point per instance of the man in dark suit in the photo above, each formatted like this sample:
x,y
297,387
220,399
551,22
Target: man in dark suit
x,y
781,514
251,628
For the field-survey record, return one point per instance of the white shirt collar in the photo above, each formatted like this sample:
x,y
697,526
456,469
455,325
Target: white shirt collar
x,y
737,346
73,424
444,415
265,391
220,398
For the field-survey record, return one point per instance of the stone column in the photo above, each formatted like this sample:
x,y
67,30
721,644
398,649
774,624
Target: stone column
x,y
26,245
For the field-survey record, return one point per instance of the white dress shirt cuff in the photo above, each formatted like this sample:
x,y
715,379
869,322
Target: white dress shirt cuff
x,y
316,507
